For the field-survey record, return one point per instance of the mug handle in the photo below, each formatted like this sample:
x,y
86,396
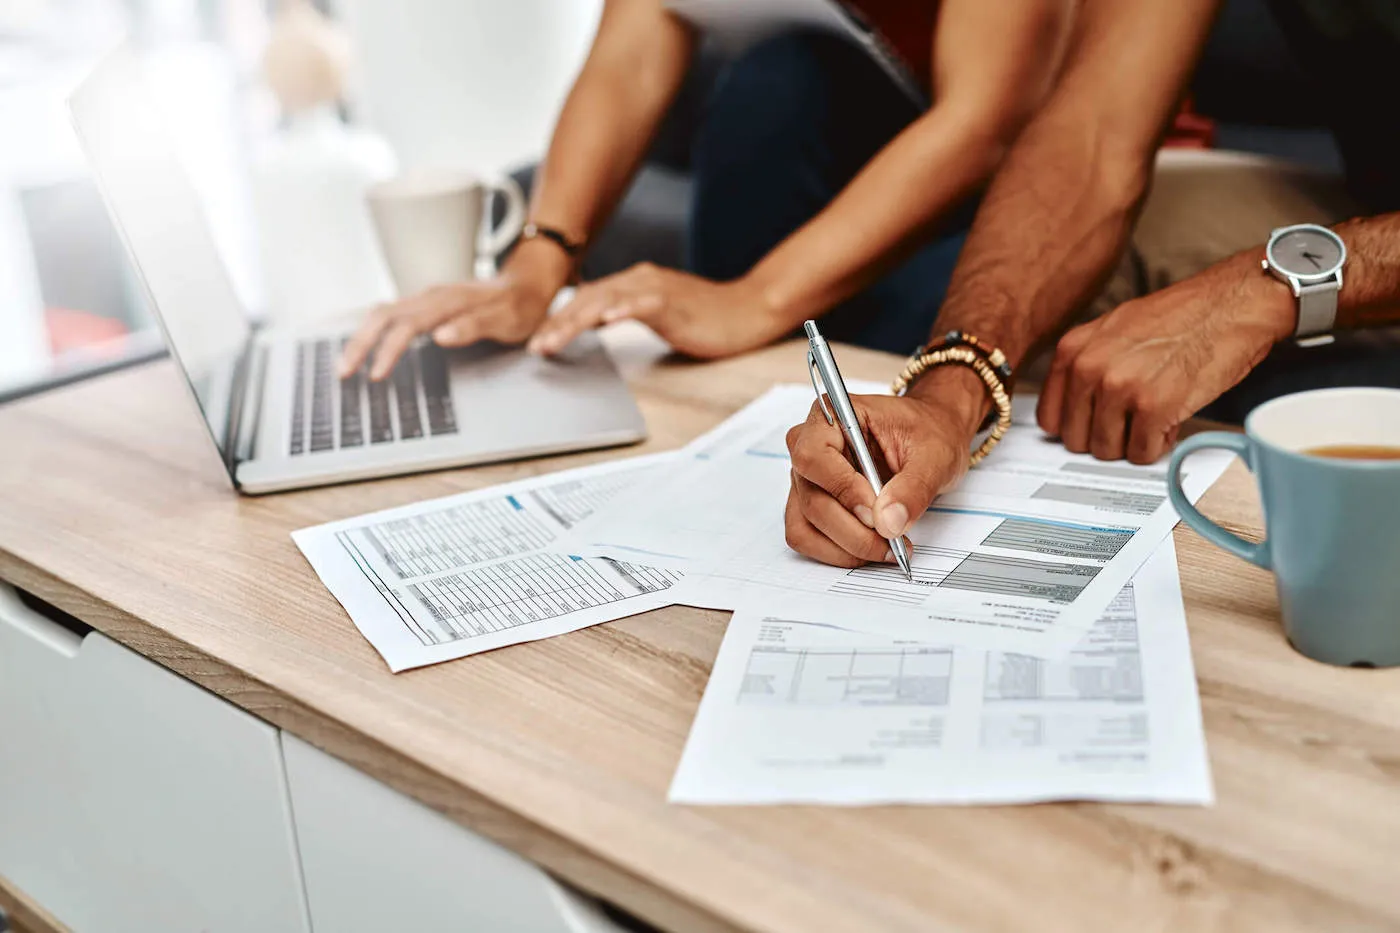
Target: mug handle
x,y
1228,540
494,241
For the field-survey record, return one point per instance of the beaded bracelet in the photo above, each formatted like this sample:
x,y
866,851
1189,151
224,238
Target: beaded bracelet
x,y
991,378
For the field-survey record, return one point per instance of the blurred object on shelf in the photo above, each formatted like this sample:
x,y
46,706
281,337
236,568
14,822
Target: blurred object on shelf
x,y
71,330
318,252
472,84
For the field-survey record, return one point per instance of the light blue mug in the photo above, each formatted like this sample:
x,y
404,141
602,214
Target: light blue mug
x,y
1332,525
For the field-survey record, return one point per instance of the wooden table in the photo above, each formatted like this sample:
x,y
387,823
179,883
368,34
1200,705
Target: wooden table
x,y
116,510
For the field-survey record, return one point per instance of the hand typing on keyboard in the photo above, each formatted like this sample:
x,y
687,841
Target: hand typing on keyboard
x,y
414,402
507,308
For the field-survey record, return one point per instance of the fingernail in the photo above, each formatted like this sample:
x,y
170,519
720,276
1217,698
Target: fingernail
x,y
445,332
889,556
895,520
613,314
867,517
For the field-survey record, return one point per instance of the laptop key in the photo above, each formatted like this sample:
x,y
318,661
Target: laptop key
x,y
322,427
437,390
381,429
405,377
352,432
298,439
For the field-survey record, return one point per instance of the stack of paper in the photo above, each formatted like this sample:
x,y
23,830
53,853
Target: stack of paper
x,y
804,711
450,577
1014,667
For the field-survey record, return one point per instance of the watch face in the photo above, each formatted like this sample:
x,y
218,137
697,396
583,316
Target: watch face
x,y
1307,251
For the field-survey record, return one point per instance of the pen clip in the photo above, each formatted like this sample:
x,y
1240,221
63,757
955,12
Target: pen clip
x,y
812,373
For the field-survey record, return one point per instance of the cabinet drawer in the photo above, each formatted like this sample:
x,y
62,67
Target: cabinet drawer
x,y
131,799
376,860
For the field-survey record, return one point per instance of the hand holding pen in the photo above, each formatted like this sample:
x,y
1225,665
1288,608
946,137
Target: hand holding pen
x,y
831,390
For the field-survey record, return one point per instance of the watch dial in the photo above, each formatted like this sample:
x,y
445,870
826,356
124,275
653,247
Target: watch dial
x,y
1306,252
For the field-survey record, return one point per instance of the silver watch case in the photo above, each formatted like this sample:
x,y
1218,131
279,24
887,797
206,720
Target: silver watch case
x,y
1316,294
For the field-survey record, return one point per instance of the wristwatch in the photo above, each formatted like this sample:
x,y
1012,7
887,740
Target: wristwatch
x,y
1309,259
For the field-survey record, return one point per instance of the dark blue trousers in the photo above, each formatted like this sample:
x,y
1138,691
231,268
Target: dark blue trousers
x,y
789,125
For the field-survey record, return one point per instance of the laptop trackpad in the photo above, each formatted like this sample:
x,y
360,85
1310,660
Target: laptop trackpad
x,y
506,396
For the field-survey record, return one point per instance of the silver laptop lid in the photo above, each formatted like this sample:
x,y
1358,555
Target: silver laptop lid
x,y
159,216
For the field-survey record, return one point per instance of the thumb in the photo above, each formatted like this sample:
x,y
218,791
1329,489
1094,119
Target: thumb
x,y
911,491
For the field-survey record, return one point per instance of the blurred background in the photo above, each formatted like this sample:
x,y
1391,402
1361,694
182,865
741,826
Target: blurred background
x,y
285,110
425,83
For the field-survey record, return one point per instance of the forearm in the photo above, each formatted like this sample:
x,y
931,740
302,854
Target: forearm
x,y
1058,214
1048,235
993,65
1370,295
636,66
897,199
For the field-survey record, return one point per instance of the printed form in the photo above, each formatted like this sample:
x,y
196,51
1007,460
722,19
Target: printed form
x,y
455,576
1024,555
802,709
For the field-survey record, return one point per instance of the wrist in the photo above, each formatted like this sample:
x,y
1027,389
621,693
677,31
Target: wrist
x,y
957,393
540,267
1274,301
773,298
762,306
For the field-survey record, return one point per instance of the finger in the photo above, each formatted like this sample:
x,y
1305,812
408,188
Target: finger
x,y
1049,410
1149,438
1079,400
585,311
836,522
804,538
817,452
923,474
486,321
641,307
358,346
391,347
1108,431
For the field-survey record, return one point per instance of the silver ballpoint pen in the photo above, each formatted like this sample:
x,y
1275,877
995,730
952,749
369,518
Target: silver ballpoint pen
x,y
822,365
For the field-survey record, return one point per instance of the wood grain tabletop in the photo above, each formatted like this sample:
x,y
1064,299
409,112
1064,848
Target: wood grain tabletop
x,y
114,507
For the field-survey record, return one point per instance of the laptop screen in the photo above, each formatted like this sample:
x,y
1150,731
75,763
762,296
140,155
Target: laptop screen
x,y
160,218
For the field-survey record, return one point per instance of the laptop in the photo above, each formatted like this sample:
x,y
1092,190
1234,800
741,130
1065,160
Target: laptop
x,y
270,398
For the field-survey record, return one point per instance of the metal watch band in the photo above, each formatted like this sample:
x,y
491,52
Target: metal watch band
x,y
1317,314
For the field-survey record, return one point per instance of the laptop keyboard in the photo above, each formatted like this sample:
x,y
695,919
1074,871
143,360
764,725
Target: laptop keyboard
x,y
414,402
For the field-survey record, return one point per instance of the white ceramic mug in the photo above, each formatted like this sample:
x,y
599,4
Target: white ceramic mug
x,y
432,225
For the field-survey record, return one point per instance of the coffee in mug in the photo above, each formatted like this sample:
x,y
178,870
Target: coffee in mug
x,y
1328,467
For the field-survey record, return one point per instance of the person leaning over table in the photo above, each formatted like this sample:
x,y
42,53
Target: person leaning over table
x,y
818,182
1048,235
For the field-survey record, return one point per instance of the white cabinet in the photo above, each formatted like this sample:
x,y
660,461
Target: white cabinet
x,y
133,800
376,860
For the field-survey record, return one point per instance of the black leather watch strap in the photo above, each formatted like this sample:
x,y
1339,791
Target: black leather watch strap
x,y
533,231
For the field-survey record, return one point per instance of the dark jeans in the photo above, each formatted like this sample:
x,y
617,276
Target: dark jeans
x,y
790,123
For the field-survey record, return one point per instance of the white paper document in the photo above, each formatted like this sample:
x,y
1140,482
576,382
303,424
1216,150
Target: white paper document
x,y
1023,556
798,711
455,576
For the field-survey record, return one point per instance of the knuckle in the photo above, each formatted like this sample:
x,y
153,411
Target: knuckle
x,y
794,442
795,533
1149,408
1118,383
845,489
1069,343
872,549
1086,368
